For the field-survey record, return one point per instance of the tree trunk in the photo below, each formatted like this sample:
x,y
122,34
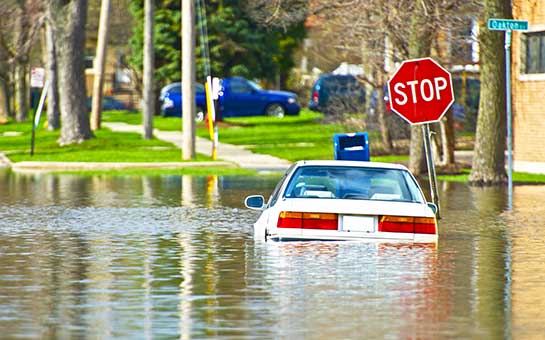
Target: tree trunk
x,y
53,110
149,67
69,23
100,61
420,39
21,64
448,139
21,91
382,122
4,101
489,154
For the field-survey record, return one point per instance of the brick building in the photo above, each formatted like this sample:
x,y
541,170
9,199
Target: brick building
x,y
528,86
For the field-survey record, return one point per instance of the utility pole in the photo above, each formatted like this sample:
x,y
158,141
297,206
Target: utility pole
x,y
188,79
149,67
100,61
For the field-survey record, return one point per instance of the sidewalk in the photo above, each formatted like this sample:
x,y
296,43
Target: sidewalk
x,y
226,152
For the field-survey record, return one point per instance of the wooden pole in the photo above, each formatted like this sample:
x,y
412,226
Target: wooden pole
x,y
100,62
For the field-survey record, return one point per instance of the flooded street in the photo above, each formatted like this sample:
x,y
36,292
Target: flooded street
x,y
174,257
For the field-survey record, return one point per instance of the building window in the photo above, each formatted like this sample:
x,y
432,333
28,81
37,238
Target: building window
x,y
89,62
533,52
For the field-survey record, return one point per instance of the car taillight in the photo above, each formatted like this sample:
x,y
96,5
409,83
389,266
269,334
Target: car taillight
x,y
320,221
425,225
288,219
315,96
404,224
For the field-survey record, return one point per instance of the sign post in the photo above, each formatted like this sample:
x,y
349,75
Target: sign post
x,y
421,93
508,26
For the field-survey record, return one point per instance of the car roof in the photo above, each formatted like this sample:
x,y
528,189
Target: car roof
x,y
357,164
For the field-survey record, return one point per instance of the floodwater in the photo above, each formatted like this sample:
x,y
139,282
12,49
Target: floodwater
x,y
174,257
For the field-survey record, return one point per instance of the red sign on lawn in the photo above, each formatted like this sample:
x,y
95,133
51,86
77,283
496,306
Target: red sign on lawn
x,y
420,91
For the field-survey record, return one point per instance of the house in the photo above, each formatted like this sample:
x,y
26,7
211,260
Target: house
x,y
528,88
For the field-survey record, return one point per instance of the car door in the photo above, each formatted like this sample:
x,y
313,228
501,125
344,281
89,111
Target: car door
x,y
241,99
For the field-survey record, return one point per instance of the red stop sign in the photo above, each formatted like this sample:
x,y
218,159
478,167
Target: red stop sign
x,y
420,91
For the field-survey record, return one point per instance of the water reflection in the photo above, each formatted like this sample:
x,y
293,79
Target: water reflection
x,y
174,256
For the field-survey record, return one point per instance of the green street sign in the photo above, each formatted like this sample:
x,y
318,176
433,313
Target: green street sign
x,y
507,25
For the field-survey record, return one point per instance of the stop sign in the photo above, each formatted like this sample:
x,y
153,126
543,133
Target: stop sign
x,y
420,91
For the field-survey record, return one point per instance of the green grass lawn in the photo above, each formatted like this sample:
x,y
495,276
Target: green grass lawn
x,y
106,147
293,137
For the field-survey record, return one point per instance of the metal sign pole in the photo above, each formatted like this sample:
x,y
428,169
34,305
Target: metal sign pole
x,y
509,128
431,167
37,115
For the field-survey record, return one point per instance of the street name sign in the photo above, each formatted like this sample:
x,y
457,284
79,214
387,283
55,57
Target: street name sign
x,y
420,91
507,25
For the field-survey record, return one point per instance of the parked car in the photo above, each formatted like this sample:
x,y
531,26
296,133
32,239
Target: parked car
x,y
242,97
346,200
171,100
238,97
110,103
337,94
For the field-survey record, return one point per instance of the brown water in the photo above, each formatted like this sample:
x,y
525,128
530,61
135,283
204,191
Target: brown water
x,y
174,257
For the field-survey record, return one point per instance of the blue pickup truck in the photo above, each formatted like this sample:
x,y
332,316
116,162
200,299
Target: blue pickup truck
x,y
238,97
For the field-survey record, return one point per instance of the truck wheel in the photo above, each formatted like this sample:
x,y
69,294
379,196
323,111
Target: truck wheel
x,y
200,114
275,110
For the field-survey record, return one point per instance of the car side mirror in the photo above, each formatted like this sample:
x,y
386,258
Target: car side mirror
x,y
433,207
255,202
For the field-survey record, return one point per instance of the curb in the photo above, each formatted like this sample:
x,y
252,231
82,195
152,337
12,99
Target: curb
x,y
4,161
78,166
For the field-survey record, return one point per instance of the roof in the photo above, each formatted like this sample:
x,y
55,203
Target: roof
x,y
352,163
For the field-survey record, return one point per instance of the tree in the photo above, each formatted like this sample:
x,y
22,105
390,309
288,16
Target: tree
x,y
488,166
68,19
53,109
20,22
238,45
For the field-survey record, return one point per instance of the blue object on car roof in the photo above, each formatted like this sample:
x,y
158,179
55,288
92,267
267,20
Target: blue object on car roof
x,y
351,146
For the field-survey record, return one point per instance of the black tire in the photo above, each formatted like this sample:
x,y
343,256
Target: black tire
x,y
275,110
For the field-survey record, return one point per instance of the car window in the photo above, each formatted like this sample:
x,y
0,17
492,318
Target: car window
x,y
177,88
239,86
341,84
346,182
276,192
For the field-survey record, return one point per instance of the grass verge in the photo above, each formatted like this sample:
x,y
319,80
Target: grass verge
x,y
204,171
108,146
518,177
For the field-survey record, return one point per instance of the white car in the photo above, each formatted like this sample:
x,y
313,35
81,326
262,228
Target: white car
x,y
346,200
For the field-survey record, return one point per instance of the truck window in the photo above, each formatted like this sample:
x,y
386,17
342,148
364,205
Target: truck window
x,y
238,86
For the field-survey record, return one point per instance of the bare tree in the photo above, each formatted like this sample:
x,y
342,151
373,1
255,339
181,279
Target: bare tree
x,y
21,20
381,33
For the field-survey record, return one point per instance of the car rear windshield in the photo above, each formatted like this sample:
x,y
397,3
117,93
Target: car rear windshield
x,y
348,182
341,84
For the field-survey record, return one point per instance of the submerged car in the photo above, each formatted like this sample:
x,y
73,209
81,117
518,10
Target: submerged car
x,y
346,200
